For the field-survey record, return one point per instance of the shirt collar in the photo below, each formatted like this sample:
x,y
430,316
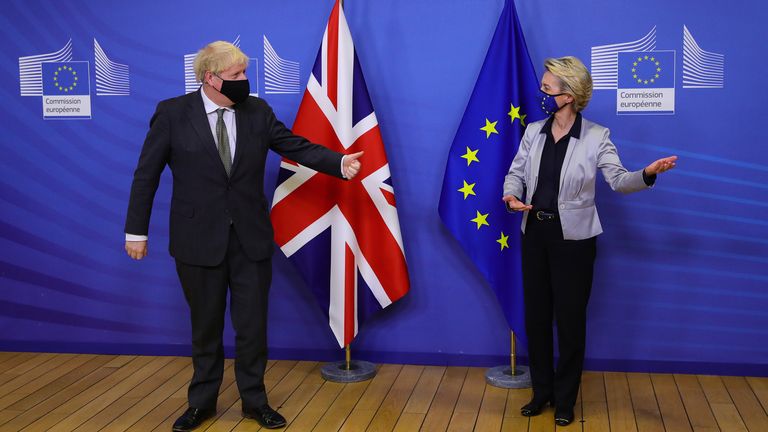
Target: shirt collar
x,y
575,131
209,105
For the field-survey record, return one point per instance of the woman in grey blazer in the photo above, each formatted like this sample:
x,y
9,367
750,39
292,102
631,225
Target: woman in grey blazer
x,y
552,180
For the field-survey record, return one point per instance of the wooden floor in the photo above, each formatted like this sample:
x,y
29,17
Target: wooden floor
x,y
79,392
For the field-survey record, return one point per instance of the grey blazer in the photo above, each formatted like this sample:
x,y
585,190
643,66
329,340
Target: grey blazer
x,y
576,199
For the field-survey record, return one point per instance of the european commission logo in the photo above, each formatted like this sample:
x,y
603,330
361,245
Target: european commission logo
x,y
281,76
644,78
66,90
646,82
65,84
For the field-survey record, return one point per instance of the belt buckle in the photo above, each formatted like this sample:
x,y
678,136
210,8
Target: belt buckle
x,y
544,216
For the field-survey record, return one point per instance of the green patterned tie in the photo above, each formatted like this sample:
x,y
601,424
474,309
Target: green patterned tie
x,y
223,139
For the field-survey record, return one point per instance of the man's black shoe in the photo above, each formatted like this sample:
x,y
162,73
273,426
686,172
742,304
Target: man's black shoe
x,y
192,418
266,416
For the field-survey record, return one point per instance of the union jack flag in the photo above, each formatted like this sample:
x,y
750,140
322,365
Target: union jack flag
x,y
344,236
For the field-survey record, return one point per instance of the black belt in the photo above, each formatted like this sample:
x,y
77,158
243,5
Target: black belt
x,y
546,215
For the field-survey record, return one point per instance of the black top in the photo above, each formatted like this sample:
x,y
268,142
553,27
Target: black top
x,y
552,157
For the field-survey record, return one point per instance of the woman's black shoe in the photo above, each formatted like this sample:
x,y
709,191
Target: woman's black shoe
x,y
563,417
534,407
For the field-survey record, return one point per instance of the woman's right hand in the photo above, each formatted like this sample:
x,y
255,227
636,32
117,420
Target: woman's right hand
x,y
515,204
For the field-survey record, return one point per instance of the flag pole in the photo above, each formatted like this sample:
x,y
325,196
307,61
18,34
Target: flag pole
x,y
512,359
510,375
347,370
348,356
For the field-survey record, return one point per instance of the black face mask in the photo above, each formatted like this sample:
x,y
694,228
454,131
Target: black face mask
x,y
236,90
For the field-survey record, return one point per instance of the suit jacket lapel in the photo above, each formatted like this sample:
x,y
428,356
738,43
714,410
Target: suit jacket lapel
x,y
241,138
538,148
199,120
572,142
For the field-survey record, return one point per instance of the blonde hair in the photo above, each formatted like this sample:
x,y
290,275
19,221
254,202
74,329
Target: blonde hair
x,y
216,57
574,79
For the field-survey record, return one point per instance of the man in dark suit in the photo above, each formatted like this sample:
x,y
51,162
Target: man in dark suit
x,y
215,142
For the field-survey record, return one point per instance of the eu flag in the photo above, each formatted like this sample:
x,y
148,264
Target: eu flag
x,y
65,78
504,100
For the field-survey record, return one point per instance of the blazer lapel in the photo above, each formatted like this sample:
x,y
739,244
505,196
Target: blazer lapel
x,y
538,148
572,142
241,138
199,120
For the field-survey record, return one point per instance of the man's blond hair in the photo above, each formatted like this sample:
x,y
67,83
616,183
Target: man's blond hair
x,y
574,79
216,57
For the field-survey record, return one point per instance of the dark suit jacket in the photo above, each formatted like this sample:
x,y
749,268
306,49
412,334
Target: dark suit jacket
x,y
204,200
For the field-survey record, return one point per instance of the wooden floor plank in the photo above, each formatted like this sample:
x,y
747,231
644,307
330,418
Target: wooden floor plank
x,y
5,355
141,393
425,390
34,366
470,398
760,388
409,422
514,424
441,410
593,387
595,416
337,413
374,395
40,404
646,407
92,408
76,400
91,363
671,406
725,412
752,413
132,415
305,393
392,406
699,412
492,407
317,406
621,414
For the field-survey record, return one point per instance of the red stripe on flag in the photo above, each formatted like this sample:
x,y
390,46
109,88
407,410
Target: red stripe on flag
x,y
389,196
332,79
350,272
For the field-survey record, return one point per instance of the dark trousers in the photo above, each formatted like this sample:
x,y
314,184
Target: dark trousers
x,y
205,289
557,280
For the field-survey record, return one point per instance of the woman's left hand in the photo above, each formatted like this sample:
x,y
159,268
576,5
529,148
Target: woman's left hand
x,y
661,165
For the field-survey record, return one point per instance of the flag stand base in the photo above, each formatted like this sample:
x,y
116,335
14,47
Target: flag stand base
x,y
359,370
501,376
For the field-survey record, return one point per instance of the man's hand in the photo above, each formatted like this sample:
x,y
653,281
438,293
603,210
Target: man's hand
x,y
352,165
136,249
515,204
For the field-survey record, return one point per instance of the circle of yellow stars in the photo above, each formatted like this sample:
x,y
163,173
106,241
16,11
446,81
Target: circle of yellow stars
x,y
471,155
57,82
641,80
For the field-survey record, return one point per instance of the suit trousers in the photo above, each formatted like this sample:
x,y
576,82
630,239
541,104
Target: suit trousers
x,y
557,280
205,289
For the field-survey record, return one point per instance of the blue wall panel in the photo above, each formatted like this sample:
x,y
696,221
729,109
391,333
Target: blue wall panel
x,y
681,273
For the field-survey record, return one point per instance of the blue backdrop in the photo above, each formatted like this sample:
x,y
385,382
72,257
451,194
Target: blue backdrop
x,y
681,272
